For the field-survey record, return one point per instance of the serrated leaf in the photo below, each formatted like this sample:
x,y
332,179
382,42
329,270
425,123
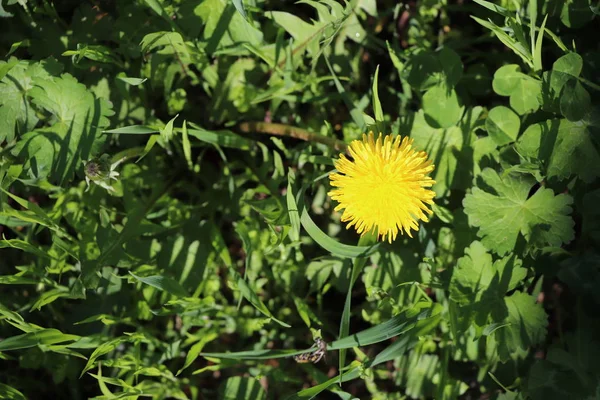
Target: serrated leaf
x,y
17,116
475,278
527,325
565,148
77,133
500,207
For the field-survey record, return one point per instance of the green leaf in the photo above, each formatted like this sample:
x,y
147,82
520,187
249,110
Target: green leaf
x,y
134,130
527,325
238,30
525,92
17,116
187,148
35,338
132,81
292,208
442,107
77,133
376,103
332,245
17,280
163,283
565,149
237,388
449,148
575,101
500,207
239,6
7,392
512,43
576,13
503,125
49,297
195,350
224,138
253,298
428,69
423,316
22,245
476,278
166,133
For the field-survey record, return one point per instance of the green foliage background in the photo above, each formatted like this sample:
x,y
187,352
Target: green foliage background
x,y
215,254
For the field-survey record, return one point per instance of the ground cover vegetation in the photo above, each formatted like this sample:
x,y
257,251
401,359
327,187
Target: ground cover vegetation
x,y
189,208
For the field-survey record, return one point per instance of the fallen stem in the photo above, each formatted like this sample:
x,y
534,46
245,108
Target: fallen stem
x,y
291,131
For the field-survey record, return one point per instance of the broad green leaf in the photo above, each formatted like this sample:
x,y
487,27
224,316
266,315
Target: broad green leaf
x,y
564,148
238,30
576,13
527,325
450,149
525,92
17,116
442,107
475,278
503,125
163,283
35,338
429,69
575,101
501,209
76,134
478,288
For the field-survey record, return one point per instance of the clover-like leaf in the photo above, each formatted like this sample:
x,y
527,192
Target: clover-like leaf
x,y
565,148
442,107
502,125
501,209
524,91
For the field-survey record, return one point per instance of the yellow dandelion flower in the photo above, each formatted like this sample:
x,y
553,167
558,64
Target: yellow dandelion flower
x,y
385,187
